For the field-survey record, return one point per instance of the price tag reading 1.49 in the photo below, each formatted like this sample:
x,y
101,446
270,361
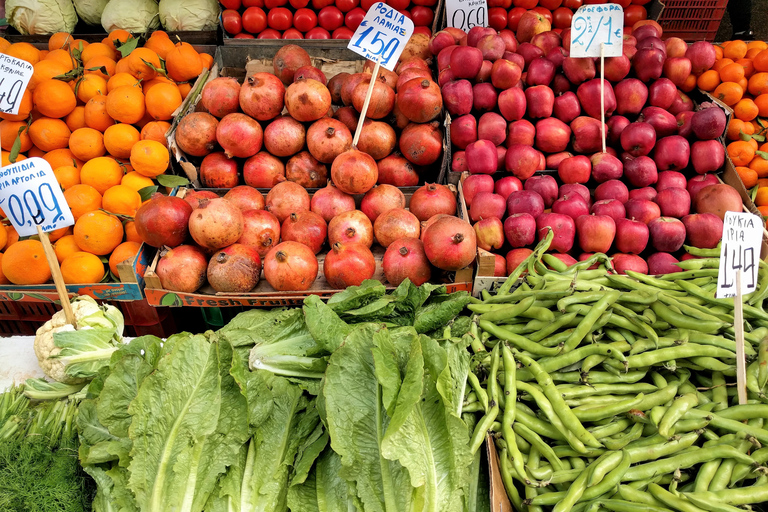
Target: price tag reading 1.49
x,y
466,14
30,196
739,252
596,25
14,77
382,35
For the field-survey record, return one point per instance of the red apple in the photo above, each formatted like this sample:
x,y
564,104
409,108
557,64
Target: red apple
x,y
661,263
510,41
492,127
624,262
677,69
572,206
466,61
492,46
501,157
512,104
640,171
457,97
667,234
567,107
662,93
554,159
500,266
638,139
648,64
563,227
696,183
560,84
631,95
478,32
475,184
507,185
662,121
702,56
707,156
589,96
612,189
596,232
717,199
631,236
545,186
674,202
606,167
522,161
647,193
540,100
552,135
579,70
520,229
616,125
672,153
684,127
481,157
484,97
670,179
530,24
505,74
576,169
709,122
676,47
547,40
587,134
489,233
617,68
556,56
525,201
681,103
520,132
541,71
463,131
515,257
529,52
613,208
575,188
703,230
643,210
485,205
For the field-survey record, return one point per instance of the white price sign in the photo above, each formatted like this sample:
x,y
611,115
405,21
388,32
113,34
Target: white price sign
x,y
465,14
14,77
739,251
382,35
596,25
31,197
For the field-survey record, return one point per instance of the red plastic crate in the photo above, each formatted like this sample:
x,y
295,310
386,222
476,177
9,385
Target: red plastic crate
x,y
692,20
142,319
24,317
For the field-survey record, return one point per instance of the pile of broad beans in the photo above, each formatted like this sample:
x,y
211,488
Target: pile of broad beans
x,y
619,391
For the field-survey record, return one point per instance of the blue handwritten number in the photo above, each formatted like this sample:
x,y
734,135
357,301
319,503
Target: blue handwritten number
x,y
580,26
37,216
363,35
55,208
376,39
393,43
609,23
14,204
600,22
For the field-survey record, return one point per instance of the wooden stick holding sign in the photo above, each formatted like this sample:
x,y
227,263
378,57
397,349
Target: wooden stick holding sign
x,y
367,101
738,321
602,93
58,279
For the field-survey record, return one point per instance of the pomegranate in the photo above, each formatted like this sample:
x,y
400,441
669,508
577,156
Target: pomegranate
x,y
218,171
307,100
432,199
405,259
262,96
396,170
350,227
261,230
399,119
349,85
329,202
286,198
290,266
348,116
354,172
221,96
263,170
284,136
327,138
193,197
310,72
420,100
234,269
385,76
380,199
410,74
394,224
422,144
348,264
377,138
196,133
163,220
306,171
425,224
182,269
334,86
239,135
246,198
287,60
450,243
382,99
307,228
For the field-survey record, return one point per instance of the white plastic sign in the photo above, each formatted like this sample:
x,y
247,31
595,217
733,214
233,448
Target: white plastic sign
x,y
30,196
382,35
739,250
595,25
14,77
465,14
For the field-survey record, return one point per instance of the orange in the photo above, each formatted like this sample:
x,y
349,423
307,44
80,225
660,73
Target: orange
x,y
758,83
708,80
720,64
97,50
159,79
731,72
6,160
89,86
124,251
748,176
68,176
735,126
185,89
59,40
120,138
749,68
76,118
160,43
61,157
82,199
752,53
743,83
13,236
760,45
761,199
101,173
102,66
146,118
156,131
122,66
87,143
49,134
689,84
761,61
760,166
45,70
735,49
25,107
24,263
10,130
58,233
35,152
729,93
741,152
121,200
141,62
24,51
96,115
3,236
98,232
207,60
131,235
78,45
3,279
4,44
762,104
82,268
136,181
162,100
183,63
746,109
119,79
149,158
54,98
126,104
117,37
763,209
63,58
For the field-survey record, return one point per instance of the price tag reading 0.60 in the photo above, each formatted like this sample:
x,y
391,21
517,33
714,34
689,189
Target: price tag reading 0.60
x,y
382,35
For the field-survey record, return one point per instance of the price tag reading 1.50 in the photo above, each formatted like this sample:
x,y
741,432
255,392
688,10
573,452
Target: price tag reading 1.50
x,y
466,14
382,35
596,25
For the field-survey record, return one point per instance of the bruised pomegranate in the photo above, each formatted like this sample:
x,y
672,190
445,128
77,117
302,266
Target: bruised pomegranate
x,y
163,221
422,144
193,197
405,259
354,172
263,170
284,136
288,60
432,199
290,266
348,264
377,138
218,171
334,86
327,138
394,224
307,228
420,100
182,269
286,198
349,85
307,100
261,230
196,133
239,135
234,269
396,170
382,99
329,202
450,243
348,116
380,199
262,96
310,72
425,224
351,227
216,223
221,96
246,198
306,171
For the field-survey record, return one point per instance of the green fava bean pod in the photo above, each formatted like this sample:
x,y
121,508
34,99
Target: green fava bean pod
x,y
676,411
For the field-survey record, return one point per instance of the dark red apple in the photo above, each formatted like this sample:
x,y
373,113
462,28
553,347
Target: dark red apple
x,y
606,167
667,234
563,227
684,127
702,56
662,93
709,122
484,97
485,205
631,95
575,188
647,193
520,229
624,262
703,230
661,263
525,201
613,208
567,107
638,139
589,96
515,257
541,71
474,184
648,64
682,103
696,183
596,232
672,153
464,131
662,121
579,70
572,206
674,202
707,156
670,179
631,236
643,210
545,186
616,125
612,189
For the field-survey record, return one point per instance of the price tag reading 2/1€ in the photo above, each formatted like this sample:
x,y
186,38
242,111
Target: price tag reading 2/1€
x,y
739,251
466,14
593,25
14,77
382,35
31,197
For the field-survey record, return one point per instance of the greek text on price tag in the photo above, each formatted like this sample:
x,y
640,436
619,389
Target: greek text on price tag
x,y
465,14
31,197
739,250
14,77
593,25
382,35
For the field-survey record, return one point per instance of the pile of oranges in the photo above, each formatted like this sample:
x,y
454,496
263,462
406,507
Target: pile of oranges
x,y
99,119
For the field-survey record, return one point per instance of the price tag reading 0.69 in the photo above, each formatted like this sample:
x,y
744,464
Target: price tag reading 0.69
x,y
466,14
382,35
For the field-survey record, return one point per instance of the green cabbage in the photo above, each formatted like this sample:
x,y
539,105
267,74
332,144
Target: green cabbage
x,y
41,16
189,14
130,15
90,10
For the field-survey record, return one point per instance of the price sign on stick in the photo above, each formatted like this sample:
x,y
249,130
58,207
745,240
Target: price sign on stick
x,y
14,76
465,14
739,253
31,197
382,35
596,25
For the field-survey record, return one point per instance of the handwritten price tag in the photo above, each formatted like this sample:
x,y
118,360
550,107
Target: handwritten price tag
x,y
14,77
593,25
740,250
382,35
31,197
465,14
